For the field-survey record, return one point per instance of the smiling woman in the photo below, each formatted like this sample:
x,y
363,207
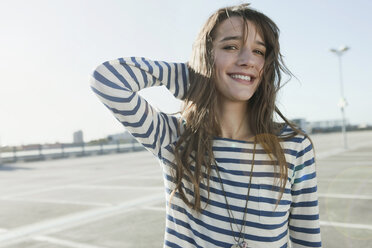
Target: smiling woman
x,y
233,177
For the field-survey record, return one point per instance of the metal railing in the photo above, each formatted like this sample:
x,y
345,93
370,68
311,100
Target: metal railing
x,y
67,150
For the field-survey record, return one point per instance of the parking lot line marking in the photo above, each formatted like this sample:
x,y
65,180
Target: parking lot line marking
x,y
67,243
136,176
97,204
346,196
31,192
154,208
332,152
326,154
359,181
109,187
37,191
76,218
346,225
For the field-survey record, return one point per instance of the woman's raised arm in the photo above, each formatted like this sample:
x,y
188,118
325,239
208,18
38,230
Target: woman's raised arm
x,y
117,82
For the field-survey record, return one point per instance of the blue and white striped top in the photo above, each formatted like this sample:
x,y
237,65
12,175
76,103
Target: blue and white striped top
x,y
296,218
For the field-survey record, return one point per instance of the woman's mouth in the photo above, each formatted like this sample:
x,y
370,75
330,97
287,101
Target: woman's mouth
x,y
242,78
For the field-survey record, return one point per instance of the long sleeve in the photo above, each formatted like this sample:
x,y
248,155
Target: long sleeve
x,y
304,226
117,82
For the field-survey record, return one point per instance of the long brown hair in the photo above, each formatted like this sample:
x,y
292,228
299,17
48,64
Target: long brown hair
x,y
193,151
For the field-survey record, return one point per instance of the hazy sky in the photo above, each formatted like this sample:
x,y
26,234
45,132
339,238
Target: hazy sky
x,y
48,49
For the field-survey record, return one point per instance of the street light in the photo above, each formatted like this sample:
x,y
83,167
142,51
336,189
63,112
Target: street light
x,y
1,160
342,104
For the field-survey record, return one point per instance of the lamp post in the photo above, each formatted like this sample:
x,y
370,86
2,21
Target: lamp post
x,y
342,104
1,160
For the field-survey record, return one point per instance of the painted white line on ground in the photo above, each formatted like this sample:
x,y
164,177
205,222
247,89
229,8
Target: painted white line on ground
x,y
358,154
136,176
359,181
109,187
31,192
37,191
15,235
66,243
69,186
96,204
346,225
130,176
346,196
2,230
154,208
322,155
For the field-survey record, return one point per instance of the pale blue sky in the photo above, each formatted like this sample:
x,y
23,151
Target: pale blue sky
x,y
48,49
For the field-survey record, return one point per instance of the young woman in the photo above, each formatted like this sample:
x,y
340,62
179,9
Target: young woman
x,y
233,176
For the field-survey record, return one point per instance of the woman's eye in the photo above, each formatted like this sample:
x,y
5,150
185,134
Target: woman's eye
x,y
260,52
230,48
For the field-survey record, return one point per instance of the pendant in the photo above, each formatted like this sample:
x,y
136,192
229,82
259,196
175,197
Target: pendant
x,y
241,245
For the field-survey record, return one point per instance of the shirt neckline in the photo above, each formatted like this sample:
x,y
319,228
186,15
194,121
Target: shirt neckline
x,y
232,140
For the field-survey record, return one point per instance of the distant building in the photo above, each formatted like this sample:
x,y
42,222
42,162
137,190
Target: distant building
x,y
302,124
78,137
120,136
29,147
329,126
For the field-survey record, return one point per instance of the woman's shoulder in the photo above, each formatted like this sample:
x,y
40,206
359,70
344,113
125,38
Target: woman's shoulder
x,y
294,135
296,144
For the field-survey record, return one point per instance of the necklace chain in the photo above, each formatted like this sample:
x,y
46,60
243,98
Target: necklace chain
x,y
229,211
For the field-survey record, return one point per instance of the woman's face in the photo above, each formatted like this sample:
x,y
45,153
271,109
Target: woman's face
x,y
238,60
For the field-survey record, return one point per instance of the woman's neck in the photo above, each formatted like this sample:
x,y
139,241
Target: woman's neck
x,y
233,118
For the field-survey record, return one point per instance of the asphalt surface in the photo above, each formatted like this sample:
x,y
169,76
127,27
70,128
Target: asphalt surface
x,y
117,201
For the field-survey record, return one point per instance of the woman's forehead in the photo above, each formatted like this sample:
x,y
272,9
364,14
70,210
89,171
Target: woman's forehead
x,y
234,26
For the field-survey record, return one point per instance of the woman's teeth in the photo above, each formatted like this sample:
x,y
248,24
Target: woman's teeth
x,y
243,77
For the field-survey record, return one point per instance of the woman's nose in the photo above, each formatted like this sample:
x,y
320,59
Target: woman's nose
x,y
246,58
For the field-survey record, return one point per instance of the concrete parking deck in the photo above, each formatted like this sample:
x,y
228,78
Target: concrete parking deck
x,y
116,201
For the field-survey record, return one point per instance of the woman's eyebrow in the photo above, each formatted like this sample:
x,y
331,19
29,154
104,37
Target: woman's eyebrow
x,y
260,43
227,38
231,38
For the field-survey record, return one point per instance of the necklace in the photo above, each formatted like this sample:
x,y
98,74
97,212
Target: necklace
x,y
238,243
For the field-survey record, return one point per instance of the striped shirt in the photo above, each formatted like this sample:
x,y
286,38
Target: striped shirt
x,y
295,218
